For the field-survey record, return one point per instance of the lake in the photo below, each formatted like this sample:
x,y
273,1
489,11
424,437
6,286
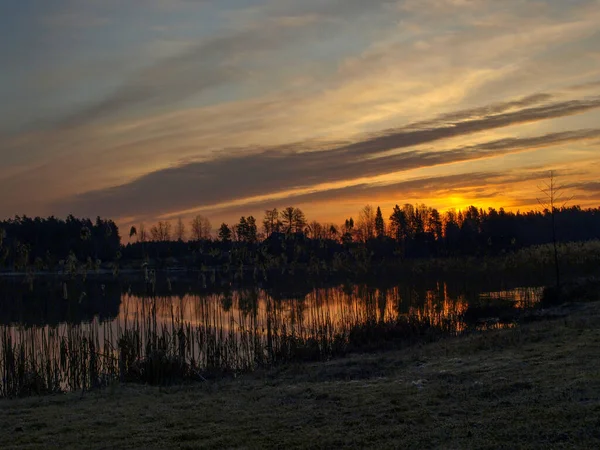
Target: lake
x,y
60,335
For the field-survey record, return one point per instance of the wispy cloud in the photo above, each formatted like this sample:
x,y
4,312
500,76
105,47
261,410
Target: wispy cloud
x,y
204,66
226,58
184,107
479,186
589,186
290,167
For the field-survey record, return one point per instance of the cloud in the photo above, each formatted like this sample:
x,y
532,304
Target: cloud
x,y
223,59
477,186
265,100
586,86
408,137
203,66
255,173
589,186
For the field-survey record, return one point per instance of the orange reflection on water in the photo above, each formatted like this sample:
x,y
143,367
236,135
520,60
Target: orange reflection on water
x,y
522,298
336,309
242,328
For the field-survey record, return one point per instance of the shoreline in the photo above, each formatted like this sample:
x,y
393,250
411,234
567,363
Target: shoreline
x,y
532,386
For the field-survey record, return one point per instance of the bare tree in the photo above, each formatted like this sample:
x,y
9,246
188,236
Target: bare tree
x,y
293,220
180,230
196,225
271,222
201,228
142,235
155,233
206,228
315,230
287,219
161,231
366,223
553,194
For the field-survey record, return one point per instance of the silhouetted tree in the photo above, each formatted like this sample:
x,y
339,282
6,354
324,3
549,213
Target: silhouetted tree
x,y
201,228
85,233
180,230
553,194
332,232
315,230
246,230
366,223
142,235
398,224
379,224
251,230
451,231
415,231
44,242
271,222
348,231
224,233
293,220
240,231
161,232
3,250
435,225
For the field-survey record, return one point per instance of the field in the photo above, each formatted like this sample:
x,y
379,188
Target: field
x,y
533,386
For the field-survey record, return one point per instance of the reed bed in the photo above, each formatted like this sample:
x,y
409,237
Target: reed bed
x,y
162,340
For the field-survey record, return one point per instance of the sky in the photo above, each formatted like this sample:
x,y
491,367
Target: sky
x,y
147,110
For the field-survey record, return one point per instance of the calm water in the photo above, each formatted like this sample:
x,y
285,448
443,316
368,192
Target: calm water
x,y
61,328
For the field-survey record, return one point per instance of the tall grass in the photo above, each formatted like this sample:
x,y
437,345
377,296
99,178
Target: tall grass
x,y
573,256
167,339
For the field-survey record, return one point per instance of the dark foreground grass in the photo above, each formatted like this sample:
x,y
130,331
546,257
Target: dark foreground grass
x,y
535,386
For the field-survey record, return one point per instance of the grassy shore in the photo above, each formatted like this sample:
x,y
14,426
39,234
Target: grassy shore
x,y
534,386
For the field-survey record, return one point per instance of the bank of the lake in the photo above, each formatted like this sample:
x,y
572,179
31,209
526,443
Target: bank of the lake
x,y
360,264
533,386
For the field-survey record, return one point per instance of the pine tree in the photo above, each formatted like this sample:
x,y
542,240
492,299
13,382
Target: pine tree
x,y
251,230
379,224
224,233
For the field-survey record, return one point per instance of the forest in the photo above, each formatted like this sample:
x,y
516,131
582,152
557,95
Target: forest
x,y
286,236
45,243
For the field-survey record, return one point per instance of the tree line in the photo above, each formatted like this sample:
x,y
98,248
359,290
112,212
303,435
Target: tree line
x,y
465,231
410,231
288,221
45,243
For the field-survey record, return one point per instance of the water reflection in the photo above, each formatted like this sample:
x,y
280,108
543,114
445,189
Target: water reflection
x,y
523,298
86,333
49,303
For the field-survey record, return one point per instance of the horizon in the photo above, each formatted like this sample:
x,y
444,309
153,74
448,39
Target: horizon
x,y
125,238
186,108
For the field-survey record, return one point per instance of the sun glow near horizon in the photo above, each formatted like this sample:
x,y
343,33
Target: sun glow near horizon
x,y
228,109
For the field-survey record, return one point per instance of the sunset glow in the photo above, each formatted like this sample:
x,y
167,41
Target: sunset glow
x,y
229,108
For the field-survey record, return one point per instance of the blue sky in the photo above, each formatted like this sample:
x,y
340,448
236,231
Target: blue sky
x,y
157,109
